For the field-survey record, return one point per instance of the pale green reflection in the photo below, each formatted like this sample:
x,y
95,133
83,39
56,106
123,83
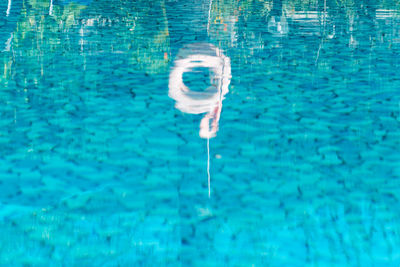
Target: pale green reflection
x,y
141,29
48,30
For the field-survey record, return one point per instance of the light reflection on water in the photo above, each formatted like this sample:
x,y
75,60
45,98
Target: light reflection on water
x,y
97,167
210,100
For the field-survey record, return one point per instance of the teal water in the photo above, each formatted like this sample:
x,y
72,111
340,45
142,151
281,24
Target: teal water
x,y
199,133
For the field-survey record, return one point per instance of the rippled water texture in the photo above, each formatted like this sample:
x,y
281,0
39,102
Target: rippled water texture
x,y
199,133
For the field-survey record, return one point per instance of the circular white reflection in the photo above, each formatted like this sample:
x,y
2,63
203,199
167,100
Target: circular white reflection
x,y
210,100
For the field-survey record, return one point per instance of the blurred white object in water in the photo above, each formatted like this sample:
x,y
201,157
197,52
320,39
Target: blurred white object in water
x,y
208,101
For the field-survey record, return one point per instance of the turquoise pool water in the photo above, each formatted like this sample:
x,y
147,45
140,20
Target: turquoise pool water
x,y
199,133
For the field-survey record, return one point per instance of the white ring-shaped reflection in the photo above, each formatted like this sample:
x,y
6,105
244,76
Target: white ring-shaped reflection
x,y
210,100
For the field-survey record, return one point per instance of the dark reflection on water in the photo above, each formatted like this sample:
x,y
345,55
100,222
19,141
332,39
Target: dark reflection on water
x,y
97,167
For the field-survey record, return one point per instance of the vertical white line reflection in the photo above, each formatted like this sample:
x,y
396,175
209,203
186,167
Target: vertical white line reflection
x,y
208,167
209,15
51,8
8,43
8,8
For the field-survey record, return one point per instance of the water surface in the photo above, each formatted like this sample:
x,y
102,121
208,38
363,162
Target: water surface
x,y
199,133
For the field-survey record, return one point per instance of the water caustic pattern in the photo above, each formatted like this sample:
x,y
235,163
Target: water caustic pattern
x,y
112,128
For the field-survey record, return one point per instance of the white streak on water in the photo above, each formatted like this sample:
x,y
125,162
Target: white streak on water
x,y
209,15
51,8
8,8
8,43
